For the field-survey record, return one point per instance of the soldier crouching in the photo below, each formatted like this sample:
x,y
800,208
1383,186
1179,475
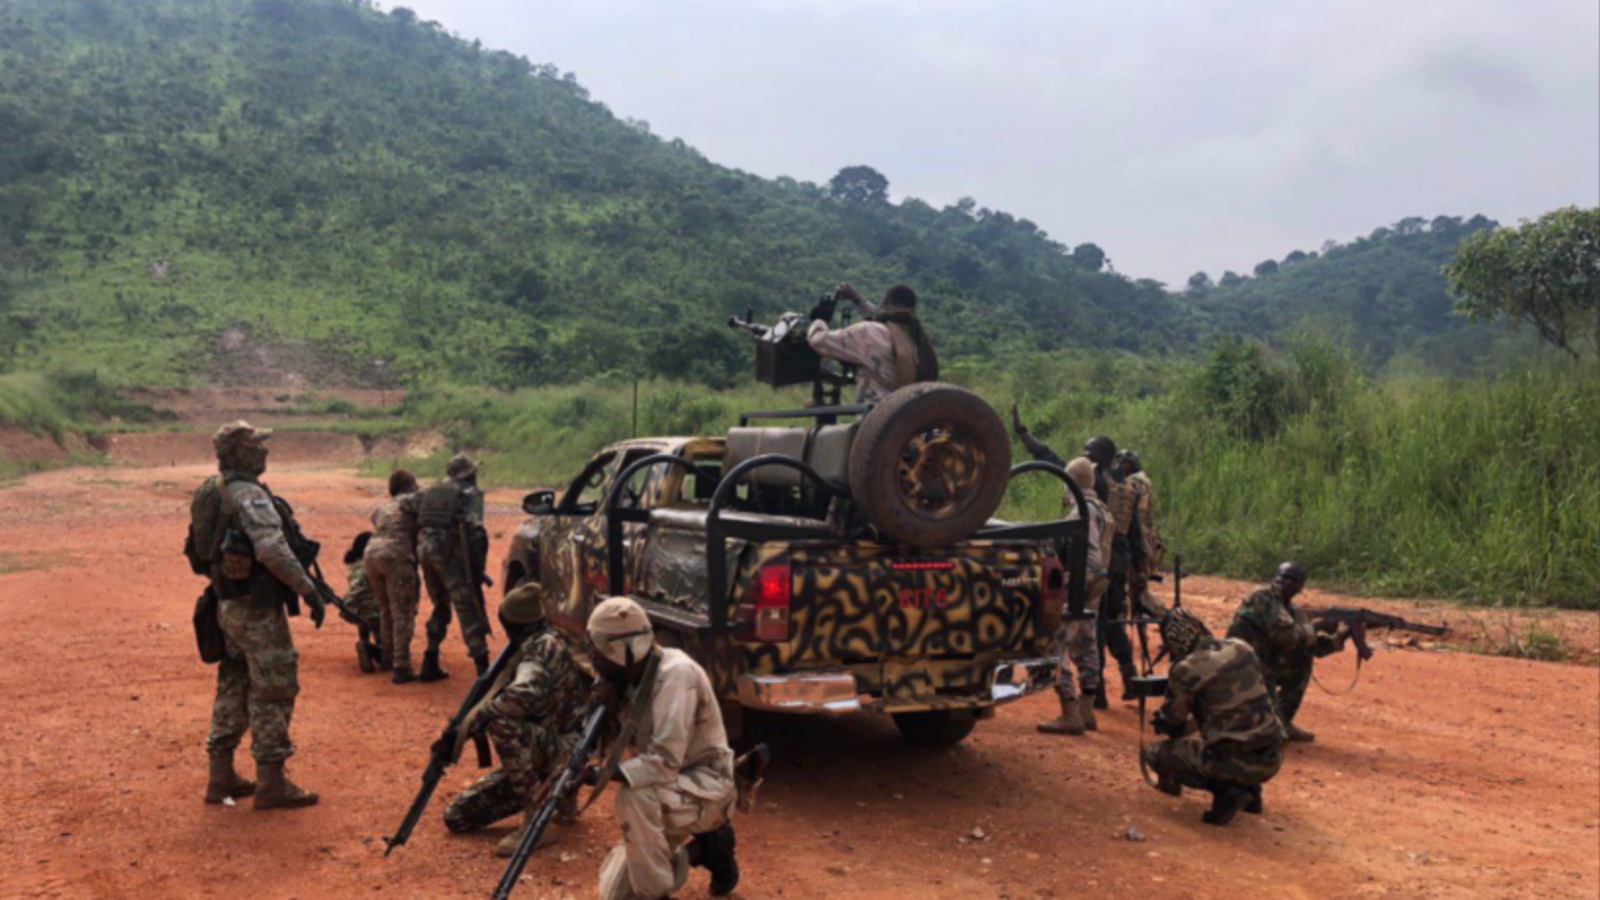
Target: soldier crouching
x,y
533,719
1220,686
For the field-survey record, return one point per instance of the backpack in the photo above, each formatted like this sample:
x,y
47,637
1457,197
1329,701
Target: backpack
x,y
208,521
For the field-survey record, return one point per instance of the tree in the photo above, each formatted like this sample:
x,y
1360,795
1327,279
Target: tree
x,y
1200,283
1266,267
1089,257
1230,278
1545,273
860,184
1294,257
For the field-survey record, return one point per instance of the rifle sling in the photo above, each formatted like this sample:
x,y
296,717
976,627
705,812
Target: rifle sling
x,y
630,724
500,683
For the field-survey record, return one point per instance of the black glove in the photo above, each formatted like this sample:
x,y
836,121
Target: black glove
x,y
446,744
590,776
1160,724
319,609
487,581
823,311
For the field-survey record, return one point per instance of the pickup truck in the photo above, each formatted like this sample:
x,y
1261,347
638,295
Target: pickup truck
x,y
752,552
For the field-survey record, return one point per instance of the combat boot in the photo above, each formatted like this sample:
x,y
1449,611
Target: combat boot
x,y
1129,673
1226,801
365,658
1100,696
1169,786
1254,807
403,675
1069,722
481,661
508,844
430,668
1086,707
1298,735
713,851
224,782
276,791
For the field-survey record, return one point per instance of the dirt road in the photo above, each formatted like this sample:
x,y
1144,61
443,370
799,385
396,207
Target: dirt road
x,y
1444,774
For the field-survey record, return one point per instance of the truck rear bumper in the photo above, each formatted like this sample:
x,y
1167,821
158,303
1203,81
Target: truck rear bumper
x,y
811,693
1016,679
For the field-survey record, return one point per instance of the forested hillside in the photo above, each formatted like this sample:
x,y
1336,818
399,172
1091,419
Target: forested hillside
x,y
1383,292
227,187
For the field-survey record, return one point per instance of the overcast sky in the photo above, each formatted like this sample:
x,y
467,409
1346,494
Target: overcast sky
x,y
1180,136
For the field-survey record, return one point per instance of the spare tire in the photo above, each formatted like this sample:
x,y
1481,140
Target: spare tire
x,y
930,464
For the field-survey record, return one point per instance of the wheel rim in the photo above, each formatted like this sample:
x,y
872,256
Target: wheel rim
x,y
940,472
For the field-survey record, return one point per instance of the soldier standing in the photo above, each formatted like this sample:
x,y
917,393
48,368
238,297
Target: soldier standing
x,y
890,348
1127,558
1220,685
1286,641
676,790
452,545
533,715
391,566
1144,492
238,533
1076,639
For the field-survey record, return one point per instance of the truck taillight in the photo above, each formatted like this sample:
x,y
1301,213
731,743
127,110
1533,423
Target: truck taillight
x,y
768,598
1052,595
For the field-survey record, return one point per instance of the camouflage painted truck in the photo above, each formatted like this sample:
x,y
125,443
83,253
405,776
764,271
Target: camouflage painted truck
x,y
847,563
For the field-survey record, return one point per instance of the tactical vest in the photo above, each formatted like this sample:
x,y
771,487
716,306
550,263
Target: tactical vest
x,y
219,548
1120,500
439,506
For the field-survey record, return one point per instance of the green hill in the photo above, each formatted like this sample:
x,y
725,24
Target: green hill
x,y
1383,292
234,188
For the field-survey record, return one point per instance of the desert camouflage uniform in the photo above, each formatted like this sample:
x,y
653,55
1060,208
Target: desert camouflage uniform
x,y
1240,740
1076,639
679,783
869,346
534,722
257,680
1286,643
445,574
1144,491
391,565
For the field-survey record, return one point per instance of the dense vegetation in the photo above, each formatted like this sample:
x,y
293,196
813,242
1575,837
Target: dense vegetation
x,y
1477,488
254,186
1382,293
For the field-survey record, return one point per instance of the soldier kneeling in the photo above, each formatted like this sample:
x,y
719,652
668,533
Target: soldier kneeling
x,y
533,717
1219,684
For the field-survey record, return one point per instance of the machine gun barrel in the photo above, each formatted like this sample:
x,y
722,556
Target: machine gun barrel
x,y
739,324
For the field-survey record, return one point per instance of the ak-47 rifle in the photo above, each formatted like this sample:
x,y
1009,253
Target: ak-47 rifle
x,y
447,749
563,784
1360,620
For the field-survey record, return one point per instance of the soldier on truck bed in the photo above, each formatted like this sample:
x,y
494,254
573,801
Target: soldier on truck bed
x,y
889,348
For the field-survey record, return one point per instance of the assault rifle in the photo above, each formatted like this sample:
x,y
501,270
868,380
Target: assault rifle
x,y
563,784
1359,620
447,749
306,551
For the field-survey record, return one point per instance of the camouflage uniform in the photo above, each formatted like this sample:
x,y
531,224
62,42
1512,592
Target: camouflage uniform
x,y
534,722
1240,741
358,598
257,680
445,572
391,565
889,348
1145,506
1076,639
1127,555
1286,642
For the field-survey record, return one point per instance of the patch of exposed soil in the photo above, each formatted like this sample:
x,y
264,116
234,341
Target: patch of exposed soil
x,y
1444,774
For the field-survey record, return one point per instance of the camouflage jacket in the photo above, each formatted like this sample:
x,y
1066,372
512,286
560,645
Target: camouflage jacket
x,y
869,346
1222,686
548,688
394,529
250,510
1280,632
1144,506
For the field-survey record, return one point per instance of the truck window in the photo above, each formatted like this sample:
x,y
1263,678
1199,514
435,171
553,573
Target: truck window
x,y
584,494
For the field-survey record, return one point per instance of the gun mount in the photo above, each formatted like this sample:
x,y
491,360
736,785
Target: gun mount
x,y
784,358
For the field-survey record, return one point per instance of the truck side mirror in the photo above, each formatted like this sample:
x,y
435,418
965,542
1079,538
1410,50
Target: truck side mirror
x,y
539,503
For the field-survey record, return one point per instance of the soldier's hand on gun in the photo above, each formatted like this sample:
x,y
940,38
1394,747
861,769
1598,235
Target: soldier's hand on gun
x,y
823,311
487,581
847,291
319,608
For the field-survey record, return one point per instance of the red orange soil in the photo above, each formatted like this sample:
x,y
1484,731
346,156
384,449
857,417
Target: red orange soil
x,y
1445,774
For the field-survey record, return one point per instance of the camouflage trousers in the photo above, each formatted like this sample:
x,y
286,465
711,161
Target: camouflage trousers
x,y
256,681
445,574
1190,763
1076,644
1114,637
1287,683
528,753
394,587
